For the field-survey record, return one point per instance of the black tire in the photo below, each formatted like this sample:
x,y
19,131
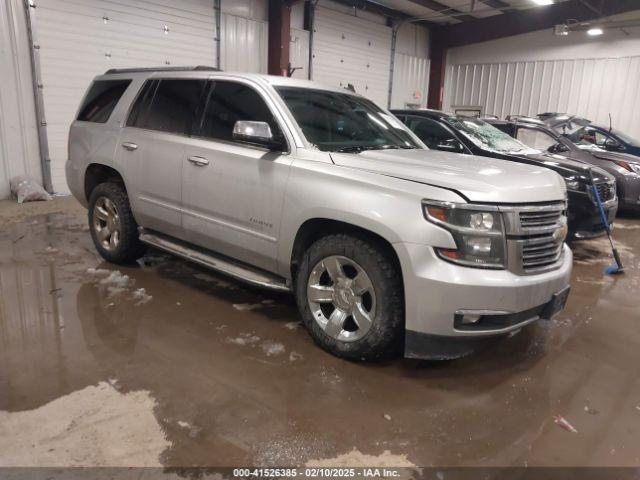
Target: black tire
x,y
385,336
129,247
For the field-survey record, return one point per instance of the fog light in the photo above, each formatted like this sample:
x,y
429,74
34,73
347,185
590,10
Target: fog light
x,y
469,318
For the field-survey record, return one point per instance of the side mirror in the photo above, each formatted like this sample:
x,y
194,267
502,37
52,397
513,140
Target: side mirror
x,y
450,145
256,133
613,146
557,148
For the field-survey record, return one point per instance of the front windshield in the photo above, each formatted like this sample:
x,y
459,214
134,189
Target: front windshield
x,y
486,136
341,122
626,138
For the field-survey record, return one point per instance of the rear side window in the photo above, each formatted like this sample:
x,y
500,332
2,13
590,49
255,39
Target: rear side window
x,y
102,98
167,105
231,102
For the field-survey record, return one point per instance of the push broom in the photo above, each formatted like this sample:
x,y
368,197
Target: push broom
x,y
612,269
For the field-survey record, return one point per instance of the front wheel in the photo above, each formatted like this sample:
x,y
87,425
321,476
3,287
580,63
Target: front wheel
x,y
349,293
113,228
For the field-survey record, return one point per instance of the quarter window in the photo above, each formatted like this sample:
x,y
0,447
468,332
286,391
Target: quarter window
x,y
230,102
102,98
169,107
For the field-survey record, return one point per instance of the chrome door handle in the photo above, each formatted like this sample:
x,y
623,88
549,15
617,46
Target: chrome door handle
x,y
198,161
130,146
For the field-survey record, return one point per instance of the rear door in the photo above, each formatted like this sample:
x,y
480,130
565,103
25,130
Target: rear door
x,y
232,192
152,150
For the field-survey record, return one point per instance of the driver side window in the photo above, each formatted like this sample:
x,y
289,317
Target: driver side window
x,y
230,102
434,135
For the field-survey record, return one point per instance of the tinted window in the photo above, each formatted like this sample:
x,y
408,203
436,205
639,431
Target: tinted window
x,y
171,107
429,131
141,106
102,98
230,102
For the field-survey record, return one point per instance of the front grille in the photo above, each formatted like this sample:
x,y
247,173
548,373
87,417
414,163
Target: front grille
x,y
540,253
539,218
535,237
606,191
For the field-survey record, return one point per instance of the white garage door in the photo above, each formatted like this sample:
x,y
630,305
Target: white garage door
x,y
80,39
352,50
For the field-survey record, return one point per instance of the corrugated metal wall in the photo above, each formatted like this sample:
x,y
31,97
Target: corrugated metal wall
x,y
592,88
244,44
82,38
349,49
19,151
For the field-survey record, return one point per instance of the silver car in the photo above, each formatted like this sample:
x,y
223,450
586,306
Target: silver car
x,y
295,186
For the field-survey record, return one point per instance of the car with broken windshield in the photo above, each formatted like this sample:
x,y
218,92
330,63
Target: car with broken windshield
x,y
454,133
304,188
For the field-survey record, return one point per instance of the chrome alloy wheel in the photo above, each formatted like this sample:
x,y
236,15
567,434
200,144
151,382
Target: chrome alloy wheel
x,y
106,223
341,298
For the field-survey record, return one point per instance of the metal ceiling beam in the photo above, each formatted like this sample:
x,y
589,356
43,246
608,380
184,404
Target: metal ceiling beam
x,y
498,5
524,21
444,9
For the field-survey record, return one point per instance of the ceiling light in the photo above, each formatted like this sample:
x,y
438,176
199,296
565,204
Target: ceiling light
x,y
595,31
542,3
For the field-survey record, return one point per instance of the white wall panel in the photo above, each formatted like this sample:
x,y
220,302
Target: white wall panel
x,y
19,151
590,87
351,50
83,38
299,53
244,44
410,81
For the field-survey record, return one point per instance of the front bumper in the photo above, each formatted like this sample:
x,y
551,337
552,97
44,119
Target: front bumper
x,y
584,216
629,192
435,290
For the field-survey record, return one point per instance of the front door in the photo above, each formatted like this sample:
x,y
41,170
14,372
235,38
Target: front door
x,y
232,193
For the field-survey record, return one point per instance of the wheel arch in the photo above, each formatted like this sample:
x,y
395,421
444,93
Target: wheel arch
x,y
97,173
313,229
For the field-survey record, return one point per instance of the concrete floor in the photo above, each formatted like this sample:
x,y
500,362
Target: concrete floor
x,y
200,370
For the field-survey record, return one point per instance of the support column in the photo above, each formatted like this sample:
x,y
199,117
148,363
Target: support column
x,y
437,70
279,37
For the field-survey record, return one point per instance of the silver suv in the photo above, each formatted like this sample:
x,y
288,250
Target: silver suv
x,y
295,186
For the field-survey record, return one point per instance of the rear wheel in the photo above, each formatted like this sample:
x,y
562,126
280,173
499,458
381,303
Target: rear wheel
x,y
349,293
113,228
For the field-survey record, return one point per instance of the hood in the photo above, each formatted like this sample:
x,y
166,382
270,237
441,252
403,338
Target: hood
x,y
568,168
613,156
479,179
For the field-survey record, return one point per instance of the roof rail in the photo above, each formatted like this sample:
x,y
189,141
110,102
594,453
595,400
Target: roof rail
x,y
524,119
197,68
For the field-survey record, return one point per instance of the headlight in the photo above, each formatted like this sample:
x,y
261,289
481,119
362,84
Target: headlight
x,y
477,230
632,167
575,185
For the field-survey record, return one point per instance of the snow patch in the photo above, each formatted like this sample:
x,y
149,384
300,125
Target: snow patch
x,y
272,348
243,340
141,297
95,426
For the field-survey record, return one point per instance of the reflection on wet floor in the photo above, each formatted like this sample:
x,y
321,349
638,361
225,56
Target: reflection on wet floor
x,y
217,373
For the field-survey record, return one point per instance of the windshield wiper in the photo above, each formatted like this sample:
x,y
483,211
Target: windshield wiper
x,y
362,148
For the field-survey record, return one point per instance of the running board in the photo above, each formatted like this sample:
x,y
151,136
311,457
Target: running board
x,y
210,260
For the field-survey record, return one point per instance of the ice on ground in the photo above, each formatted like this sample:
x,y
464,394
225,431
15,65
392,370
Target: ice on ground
x,y
272,348
116,279
387,417
141,296
184,424
292,325
295,356
98,272
244,339
245,307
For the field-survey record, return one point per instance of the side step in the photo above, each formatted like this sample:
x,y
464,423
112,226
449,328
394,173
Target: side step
x,y
258,278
